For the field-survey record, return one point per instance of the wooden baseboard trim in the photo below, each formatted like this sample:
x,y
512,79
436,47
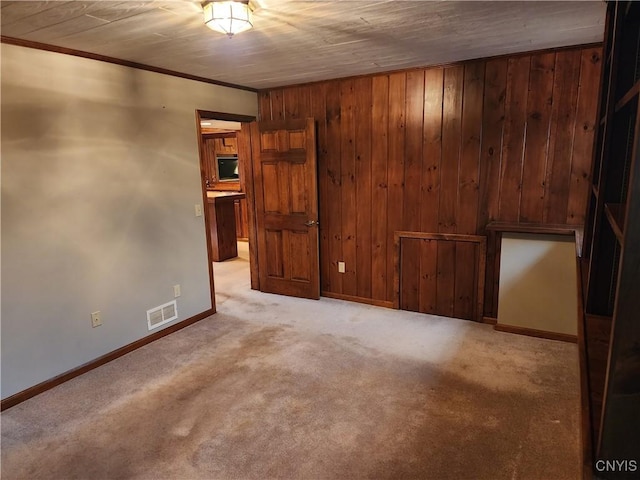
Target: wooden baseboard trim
x,y
532,332
489,320
352,298
31,392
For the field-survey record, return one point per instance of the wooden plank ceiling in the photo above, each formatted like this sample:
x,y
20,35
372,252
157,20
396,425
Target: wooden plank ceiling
x,y
303,41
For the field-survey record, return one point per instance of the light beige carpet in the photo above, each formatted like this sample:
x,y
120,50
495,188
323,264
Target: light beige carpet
x,y
275,387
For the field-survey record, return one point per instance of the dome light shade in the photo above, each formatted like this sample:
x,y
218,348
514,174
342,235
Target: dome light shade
x,y
228,17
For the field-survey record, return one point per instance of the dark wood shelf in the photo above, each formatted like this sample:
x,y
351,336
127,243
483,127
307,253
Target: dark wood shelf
x,y
615,214
597,332
560,229
576,231
629,96
612,274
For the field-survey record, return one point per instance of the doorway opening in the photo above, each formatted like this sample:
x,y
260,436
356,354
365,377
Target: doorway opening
x,y
224,155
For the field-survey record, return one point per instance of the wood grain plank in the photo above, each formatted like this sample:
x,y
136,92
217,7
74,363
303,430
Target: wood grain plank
x,y
514,138
432,149
445,299
540,98
451,132
363,89
413,151
481,258
297,102
395,167
410,276
428,276
334,191
277,105
489,276
469,176
497,249
318,96
396,271
565,97
379,190
348,185
582,152
465,280
492,133
264,106
414,106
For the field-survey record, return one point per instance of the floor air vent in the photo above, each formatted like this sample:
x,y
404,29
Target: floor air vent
x,y
160,315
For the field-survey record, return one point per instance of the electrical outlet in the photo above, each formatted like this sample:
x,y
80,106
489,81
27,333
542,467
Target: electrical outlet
x,y
176,291
341,267
96,319
198,210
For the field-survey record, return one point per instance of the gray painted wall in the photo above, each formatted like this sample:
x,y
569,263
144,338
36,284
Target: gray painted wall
x,y
100,175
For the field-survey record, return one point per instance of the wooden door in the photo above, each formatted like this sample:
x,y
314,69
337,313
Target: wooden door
x,y
286,206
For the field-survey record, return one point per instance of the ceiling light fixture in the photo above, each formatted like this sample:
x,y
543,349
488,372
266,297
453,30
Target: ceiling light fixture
x,y
228,17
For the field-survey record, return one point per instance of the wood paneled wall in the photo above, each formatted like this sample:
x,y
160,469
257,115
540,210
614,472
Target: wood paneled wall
x,y
440,274
444,150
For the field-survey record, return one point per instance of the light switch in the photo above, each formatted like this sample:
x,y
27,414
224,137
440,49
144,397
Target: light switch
x,y
198,210
341,267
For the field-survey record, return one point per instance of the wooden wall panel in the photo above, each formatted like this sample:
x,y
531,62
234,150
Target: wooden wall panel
x,y
538,114
469,177
428,277
413,150
432,149
317,110
348,184
379,193
465,280
455,265
364,241
490,164
563,118
444,150
277,105
495,81
395,166
333,199
583,136
451,134
446,283
410,286
514,138
264,105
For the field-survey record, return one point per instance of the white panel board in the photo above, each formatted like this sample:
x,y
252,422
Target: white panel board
x,y
538,283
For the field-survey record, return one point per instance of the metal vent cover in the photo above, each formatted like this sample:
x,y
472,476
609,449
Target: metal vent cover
x,y
162,314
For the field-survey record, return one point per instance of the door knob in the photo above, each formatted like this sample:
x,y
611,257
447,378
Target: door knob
x,y
311,223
